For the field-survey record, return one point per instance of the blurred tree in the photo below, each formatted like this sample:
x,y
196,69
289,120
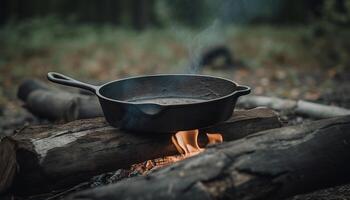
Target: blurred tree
x,y
141,14
329,34
192,13
3,12
138,13
337,11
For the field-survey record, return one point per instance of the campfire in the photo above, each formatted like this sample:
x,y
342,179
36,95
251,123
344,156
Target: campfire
x,y
90,148
72,159
187,145
186,142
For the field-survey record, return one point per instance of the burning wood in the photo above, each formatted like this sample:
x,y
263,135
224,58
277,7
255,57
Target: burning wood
x,y
214,138
186,143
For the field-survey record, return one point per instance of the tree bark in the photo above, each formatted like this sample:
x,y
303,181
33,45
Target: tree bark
x,y
7,163
272,164
51,157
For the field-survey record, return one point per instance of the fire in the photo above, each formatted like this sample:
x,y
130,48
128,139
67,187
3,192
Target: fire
x,y
186,142
214,138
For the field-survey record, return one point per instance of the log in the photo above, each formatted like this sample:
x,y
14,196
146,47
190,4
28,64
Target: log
x,y
89,107
7,163
12,121
272,164
339,192
53,105
63,106
57,105
28,86
314,110
57,156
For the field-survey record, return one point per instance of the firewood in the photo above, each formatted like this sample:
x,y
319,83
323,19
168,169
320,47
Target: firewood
x,y
53,105
341,192
57,105
59,156
88,107
28,86
272,164
315,110
7,163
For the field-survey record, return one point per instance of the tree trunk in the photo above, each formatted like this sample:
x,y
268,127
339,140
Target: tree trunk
x,y
272,164
51,157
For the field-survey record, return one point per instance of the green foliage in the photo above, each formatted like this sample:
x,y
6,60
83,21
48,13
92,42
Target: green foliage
x,y
331,32
335,12
194,13
32,36
31,48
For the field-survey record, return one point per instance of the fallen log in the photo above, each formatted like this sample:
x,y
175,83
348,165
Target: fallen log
x,y
272,164
57,105
50,157
28,86
8,163
53,105
63,106
339,192
315,110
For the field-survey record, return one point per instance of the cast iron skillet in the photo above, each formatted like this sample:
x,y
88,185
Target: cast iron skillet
x,y
163,103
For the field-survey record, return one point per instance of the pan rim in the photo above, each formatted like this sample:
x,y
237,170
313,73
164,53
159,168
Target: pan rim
x,y
246,89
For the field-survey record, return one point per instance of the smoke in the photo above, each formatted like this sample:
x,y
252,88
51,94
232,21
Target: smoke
x,y
208,37
218,16
223,13
198,41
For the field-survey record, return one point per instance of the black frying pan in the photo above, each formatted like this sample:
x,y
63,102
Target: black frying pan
x,y
163,103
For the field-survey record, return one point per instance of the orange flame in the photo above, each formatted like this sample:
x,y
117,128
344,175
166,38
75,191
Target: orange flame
x,y
214,138
186,142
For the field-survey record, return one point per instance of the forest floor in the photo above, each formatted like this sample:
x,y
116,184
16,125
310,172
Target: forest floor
x,y
302,62
299,62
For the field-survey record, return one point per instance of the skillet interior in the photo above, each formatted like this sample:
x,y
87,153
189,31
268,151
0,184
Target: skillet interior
x,y
168,89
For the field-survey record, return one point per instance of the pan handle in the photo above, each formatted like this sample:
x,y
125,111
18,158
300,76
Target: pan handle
x,y
65,80
242,90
